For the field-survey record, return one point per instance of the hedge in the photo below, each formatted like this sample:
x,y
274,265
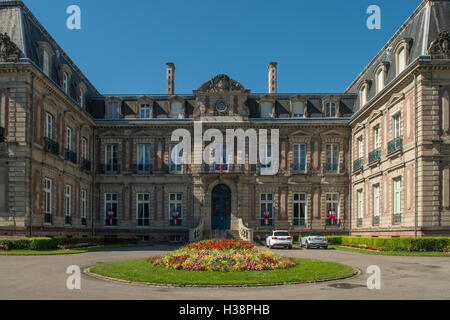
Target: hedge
x,y
52,243
396,243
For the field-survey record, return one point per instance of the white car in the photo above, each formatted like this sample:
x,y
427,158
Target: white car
x,y
279,238
314,240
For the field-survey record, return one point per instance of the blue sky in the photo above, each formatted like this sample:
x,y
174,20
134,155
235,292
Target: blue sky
x,y
320,46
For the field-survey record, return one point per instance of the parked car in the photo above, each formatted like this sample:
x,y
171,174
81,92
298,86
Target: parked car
x,y
279,238
314,240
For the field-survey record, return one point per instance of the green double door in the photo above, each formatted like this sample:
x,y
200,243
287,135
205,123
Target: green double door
x,y
221,208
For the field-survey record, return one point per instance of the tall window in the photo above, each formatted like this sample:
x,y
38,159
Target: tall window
x,y
266,109
46,64
143,157
397,199
300,209
68,206
65,83
332,156
113,110
84,147
360,207
376,204
222,160
332,207
83,207
300,157
49,126
48,211
176,158
111,161
143,209
266,209
175,209
380,80
376,138
81,98
299,109
401,60
397,125
111,209
330,110
363,95
145,111
360,148
68,139
177,110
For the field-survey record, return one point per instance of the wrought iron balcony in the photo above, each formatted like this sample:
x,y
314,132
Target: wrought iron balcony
x,y
112,168
111,222
374,156
397,218
86,165
300,167
331,168
266,223
68,220
226,168
357,164
142,168
71,156
175,222
48,218
51,146
376,221
83,221
360,222
395,145
300,222
333,223
2,134
143,222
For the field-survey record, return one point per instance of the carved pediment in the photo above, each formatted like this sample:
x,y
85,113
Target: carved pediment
x,y
220,84
375,115
359,127
395,99
301,133
440,47
9,52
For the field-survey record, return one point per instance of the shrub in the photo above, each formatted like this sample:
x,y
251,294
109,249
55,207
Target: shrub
x,y
335,240
43,244
15,244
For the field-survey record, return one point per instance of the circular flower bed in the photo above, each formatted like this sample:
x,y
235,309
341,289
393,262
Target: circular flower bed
x,y
222,256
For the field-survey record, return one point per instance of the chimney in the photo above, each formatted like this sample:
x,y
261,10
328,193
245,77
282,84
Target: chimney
x,y
170,68
273,77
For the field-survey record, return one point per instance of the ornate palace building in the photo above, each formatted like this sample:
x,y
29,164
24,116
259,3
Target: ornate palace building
x,y
372,161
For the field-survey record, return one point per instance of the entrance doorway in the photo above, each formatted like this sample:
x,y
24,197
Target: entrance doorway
x,y
221,208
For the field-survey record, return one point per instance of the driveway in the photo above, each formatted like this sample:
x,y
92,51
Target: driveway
x,y
44,277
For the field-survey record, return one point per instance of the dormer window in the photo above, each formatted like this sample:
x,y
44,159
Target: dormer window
x,y
380,80
266,109
145,111
363,93
65,83
330,110
113,110
177,110
46,63
401,60
401,55
81,99
299,109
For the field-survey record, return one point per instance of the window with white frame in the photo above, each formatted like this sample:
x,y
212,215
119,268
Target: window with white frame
x,y
145,111
266,205
113,110
300,157
330,110
68,139
332,207
83,206
376,203
68,202
359,204
266,109
360,149
176,158
65,82
143,164
300,209
175,209
81,98
111,209
111,160
380,79
401,60
299,109
177,110
397,196
376,138
49,126
397,125
84,149
363,95
48,196
221,160
143,209
332,157
46,63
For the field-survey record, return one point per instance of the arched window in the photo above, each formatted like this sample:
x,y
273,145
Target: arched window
x,y
363,93
380,79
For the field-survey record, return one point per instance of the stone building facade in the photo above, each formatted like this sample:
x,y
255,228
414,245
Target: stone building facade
x,y
372,161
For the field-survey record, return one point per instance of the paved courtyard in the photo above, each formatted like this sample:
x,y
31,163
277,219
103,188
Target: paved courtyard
x,y
44,277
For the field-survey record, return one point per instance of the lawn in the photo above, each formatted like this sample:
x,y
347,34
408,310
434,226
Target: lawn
x,y
142,271
391,253
65,251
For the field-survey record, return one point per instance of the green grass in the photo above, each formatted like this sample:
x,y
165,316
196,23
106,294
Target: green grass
x,y
142,271
41,252
391,253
